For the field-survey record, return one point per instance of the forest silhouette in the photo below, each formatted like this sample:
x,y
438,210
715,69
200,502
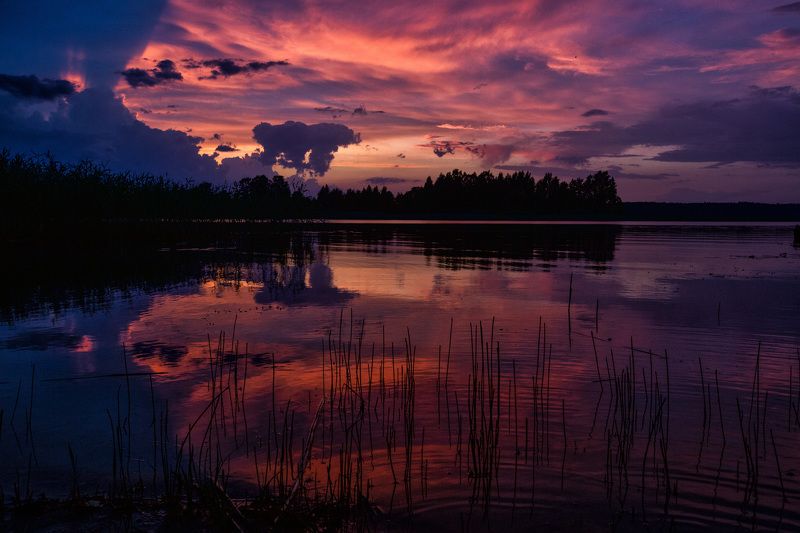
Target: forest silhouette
x,y
41,189
40,195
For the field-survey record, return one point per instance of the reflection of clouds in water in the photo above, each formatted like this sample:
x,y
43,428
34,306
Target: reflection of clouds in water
x,y
301,285
45,339
168,354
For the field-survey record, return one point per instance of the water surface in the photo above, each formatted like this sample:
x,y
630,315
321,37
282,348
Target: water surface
x,y
590,337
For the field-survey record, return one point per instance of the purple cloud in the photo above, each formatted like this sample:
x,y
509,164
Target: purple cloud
x,y
594,113
96,125
492,154
444,147
762,127
794,7
303,147
387,180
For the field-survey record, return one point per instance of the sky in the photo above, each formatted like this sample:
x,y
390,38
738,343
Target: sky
x,y
681,100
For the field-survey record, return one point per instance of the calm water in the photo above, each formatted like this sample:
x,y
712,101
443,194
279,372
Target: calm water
x,y
625,432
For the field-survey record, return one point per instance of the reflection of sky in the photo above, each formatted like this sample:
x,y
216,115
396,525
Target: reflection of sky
x,y
688,276
664,295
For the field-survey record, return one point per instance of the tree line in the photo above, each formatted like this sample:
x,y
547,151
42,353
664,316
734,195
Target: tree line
x,y
41,189
458,193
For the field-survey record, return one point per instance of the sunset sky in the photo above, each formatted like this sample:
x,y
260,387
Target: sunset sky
x,y
680,100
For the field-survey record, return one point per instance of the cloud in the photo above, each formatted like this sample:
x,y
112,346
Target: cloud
x,y
92,39
387,180
34,88
227,67
421,64
470,127
164,71
337,112
492,154
96,125
761,127
794,7
226,148
169,354
243,166
444,147
42,339
620,173
594,113
362,110
303,147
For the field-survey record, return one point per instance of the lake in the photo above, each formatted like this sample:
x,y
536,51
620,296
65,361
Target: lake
x,y
458,375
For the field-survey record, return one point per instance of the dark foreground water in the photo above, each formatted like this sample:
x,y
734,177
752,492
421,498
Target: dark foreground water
x,y
562,376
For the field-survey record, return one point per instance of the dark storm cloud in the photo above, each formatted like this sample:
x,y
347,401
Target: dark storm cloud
x,y
34,88
594,113
96,125
227,67
163,72
794,7
762,127
303,147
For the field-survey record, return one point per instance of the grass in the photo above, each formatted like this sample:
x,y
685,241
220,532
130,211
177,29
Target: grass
x,y
510,439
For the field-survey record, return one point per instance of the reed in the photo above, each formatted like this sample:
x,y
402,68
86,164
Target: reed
x,y
316,468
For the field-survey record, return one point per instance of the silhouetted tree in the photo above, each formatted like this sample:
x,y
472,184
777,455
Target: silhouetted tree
x,y
41,190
